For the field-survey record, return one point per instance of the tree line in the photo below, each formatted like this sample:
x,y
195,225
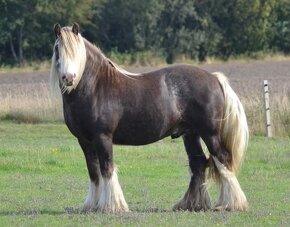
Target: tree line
x,y
194,28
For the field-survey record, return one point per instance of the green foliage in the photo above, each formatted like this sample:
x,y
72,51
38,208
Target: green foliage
x,y
245,25
26,26
281,29
194,28
178,30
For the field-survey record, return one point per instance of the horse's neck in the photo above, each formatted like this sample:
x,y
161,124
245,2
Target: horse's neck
x,y
99,76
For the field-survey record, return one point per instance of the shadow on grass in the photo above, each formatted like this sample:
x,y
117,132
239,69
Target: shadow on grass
x,y
71,210
67,210
150,210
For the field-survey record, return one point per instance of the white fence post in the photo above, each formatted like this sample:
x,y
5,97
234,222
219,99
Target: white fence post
x,y
267,109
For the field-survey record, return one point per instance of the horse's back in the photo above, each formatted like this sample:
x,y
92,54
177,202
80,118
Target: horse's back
x,y
185,77
188,82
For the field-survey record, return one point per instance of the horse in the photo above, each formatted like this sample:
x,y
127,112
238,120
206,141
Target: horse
x,y
104,104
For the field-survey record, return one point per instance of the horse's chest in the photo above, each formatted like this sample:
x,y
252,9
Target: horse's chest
x,y
79,121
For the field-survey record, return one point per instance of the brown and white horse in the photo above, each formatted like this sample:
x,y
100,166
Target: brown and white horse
x,y
105,105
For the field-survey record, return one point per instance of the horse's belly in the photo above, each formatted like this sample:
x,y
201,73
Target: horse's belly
x,y
140,134
135,141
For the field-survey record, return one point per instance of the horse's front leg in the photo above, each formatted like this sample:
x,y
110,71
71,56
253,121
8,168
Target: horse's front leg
x,y
96,183
111,197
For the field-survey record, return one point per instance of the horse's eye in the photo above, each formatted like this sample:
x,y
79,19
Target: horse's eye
x,y
57,63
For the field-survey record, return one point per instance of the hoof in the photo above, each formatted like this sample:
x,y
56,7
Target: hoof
x,y
196,198
177,207
180,206
194,206
229,208
113,208
232,197
85,210
221,208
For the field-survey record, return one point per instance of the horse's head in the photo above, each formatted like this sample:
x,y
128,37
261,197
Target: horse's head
x,y
69,57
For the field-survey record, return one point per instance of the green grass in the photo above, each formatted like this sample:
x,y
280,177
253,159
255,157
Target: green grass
x,y
44,181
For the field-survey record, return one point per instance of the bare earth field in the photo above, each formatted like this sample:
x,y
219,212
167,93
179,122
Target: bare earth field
x,y
246,77
28,91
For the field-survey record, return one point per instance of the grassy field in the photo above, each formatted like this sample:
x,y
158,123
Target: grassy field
x,y
44,182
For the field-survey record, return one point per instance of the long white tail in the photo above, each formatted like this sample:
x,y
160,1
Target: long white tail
x,y
235,132
234,136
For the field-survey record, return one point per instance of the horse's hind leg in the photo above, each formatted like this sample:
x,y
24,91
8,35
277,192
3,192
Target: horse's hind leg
x,y
96,183
231,195
196,198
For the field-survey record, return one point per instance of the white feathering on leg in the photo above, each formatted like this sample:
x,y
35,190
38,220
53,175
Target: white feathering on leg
x,y
231,195
92,197
112,198
94,193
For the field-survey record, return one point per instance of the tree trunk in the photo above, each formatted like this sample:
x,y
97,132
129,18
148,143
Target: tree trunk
x,y
13,49
170,57
20,43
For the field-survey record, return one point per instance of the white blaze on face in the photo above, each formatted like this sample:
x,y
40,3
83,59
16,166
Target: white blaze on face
x,y
69,67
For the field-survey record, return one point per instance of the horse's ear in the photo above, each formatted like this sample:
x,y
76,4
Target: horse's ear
x,y
75,28
56,30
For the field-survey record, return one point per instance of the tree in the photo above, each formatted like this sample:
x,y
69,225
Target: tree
x,y
16,17
281,27
180,29
64,12
245,25
26,26
127,25
195,28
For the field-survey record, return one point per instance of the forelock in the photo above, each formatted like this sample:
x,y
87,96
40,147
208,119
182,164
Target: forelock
x,y
69,42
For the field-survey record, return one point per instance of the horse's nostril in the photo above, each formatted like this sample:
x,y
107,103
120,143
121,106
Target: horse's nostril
x,y
68,79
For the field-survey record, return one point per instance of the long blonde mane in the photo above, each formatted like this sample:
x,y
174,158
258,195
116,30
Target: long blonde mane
x,y
72,46
103,60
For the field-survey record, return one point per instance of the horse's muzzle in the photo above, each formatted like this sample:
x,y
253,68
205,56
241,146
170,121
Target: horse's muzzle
x,y
68,79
